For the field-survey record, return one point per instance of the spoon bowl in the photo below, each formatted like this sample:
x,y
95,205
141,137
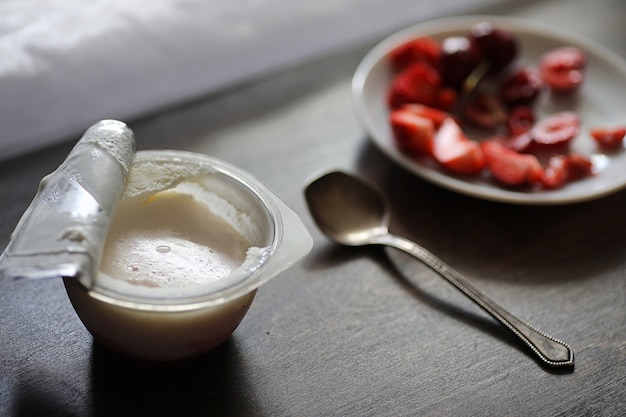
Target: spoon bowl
x,y
353,212
329,204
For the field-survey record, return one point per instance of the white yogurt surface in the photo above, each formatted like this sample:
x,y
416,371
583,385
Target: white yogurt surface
x,y
177,232
170,241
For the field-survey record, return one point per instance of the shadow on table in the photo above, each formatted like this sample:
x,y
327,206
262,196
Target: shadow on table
x,y
479,321
392,262
40,395
213,384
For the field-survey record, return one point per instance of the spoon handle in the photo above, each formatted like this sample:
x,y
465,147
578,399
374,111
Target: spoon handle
x,y
549,350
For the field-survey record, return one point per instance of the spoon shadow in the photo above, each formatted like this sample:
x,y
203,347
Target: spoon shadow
x,y
329,255
388,259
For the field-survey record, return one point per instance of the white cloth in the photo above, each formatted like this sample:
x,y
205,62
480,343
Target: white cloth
x,y
68,63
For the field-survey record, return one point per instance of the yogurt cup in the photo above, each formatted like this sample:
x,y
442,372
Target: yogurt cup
x,y
171,313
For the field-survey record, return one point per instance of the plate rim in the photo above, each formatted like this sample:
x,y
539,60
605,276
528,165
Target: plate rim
x,y
455,23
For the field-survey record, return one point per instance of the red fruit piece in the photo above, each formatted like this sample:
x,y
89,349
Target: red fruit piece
x,y
556,129
562,169
609,136
436,115
557,172
418,83
459,57
510,167
455,151
423,49
520,120
446,98
496,45
563,69
522,87
580,166
414,134
485,111
520,143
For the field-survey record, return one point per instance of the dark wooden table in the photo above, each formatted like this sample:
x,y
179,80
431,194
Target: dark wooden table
x,y
351,332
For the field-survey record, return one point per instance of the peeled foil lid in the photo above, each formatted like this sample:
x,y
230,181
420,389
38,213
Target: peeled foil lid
x,y
62,232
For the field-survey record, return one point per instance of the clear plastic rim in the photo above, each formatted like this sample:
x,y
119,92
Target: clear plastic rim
x,y
248,280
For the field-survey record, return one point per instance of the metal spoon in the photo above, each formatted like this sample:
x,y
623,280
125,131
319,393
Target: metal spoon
x,y
354,213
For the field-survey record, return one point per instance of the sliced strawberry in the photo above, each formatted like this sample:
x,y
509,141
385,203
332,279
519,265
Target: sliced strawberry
x,y
520,120
510,167
414,134
580,166
556,129
418,83
423,49
563,69
557,172
455,151
436,115
609,136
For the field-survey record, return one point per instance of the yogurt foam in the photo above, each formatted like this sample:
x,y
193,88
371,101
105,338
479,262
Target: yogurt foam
x,y
171,233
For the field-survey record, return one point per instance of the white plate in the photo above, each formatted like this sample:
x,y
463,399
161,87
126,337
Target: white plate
x,y
599,102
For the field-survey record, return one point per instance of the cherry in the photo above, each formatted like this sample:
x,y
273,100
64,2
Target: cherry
x,y
563,69
522,87
520,120
498,46
485,110
556,129
459,57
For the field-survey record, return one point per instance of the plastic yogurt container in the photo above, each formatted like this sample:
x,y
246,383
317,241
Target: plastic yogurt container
x,y
191,240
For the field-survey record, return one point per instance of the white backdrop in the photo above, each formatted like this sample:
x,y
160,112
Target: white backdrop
x,y
65,64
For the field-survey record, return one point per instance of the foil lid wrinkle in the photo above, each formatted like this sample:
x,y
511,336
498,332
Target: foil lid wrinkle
x,y
62,232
